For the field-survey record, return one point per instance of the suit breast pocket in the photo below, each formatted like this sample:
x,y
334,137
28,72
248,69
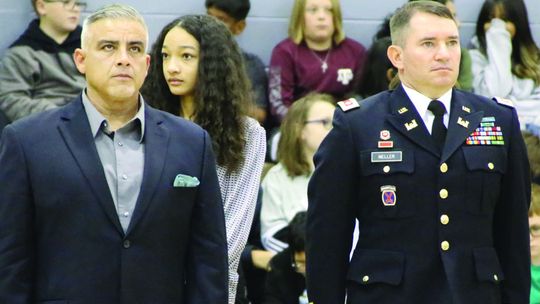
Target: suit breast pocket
x,y
486,166
385,184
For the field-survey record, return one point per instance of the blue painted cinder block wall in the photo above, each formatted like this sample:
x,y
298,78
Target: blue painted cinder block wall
x,y
267,20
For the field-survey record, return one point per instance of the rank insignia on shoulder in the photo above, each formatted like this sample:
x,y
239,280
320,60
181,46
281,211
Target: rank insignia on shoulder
x,y
504,101
348,104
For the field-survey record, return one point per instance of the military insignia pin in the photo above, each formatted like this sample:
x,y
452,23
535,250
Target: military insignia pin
x,y
462,122
403,110
411,125
385,135
388,195
466,109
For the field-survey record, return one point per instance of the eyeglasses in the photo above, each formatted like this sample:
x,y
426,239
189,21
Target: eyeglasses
x,y
326,122
69,4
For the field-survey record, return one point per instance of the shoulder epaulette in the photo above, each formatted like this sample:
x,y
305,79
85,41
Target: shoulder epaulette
x,y
348,104
504,101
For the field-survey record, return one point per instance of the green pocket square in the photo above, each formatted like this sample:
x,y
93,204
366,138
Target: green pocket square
x,y
182,180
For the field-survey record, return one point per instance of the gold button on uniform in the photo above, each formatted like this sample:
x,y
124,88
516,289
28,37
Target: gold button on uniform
x,y
386,169
444,168
443,193
491,166
365,279
445,245
445,219
495,277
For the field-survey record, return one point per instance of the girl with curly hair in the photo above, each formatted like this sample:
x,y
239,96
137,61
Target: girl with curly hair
x,y
506,60
197,72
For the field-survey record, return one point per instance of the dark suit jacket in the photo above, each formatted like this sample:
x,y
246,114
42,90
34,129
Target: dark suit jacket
x,y
60,237
458,231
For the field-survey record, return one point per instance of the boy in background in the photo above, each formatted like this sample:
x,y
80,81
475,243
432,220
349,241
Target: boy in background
x,y
233,13
37,72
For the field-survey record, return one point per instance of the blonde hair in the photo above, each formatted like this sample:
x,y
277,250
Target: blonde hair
x,y
296,22
291,147
529,67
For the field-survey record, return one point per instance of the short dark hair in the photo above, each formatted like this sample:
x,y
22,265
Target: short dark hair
x,y
402,17
237,9
297,232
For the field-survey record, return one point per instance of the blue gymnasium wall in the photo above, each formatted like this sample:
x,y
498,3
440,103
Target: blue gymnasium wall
x,y
267,20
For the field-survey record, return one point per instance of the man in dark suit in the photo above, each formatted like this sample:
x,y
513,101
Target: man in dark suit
x,y
437,178
107,200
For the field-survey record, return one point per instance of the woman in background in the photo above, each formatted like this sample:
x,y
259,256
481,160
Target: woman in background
x,y
285,185
197,72
506,60
315,57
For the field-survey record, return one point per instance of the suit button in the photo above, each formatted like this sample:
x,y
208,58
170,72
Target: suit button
x,y
495,277
365,279
443,193
444,168
491,166
126,244
445,219
445,245
386,169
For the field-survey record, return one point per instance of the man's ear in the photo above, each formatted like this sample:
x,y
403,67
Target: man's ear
x,y
40,8
79,57
395,54
148,58
238,27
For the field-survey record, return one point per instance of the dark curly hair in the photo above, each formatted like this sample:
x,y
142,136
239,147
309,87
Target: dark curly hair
x,y
222,91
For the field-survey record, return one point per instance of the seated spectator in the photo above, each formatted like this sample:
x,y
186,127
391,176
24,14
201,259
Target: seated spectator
x,y
533,150
286,283
285,185
233,13
37,72
378,70
506,60
315,57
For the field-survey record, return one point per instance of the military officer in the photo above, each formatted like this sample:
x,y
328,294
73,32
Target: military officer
x,y
438,179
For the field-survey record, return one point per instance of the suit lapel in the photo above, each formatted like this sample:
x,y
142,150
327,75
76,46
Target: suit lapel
x,y
156,140
463,121
408,122
76,132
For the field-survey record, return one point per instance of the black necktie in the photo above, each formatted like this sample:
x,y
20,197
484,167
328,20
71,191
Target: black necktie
x,y
438,131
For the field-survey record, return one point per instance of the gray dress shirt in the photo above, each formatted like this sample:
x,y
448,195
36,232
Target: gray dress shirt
x,y
122,156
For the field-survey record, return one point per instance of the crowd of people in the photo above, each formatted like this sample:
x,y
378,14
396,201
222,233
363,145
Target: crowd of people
x,y
184,170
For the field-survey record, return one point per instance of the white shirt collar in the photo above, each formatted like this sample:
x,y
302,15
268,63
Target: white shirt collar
x,y
421,103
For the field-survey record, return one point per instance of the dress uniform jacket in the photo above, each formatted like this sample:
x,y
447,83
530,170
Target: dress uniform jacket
x,y
435,227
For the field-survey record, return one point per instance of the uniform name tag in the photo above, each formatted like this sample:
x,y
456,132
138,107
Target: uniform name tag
x,y
386,157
